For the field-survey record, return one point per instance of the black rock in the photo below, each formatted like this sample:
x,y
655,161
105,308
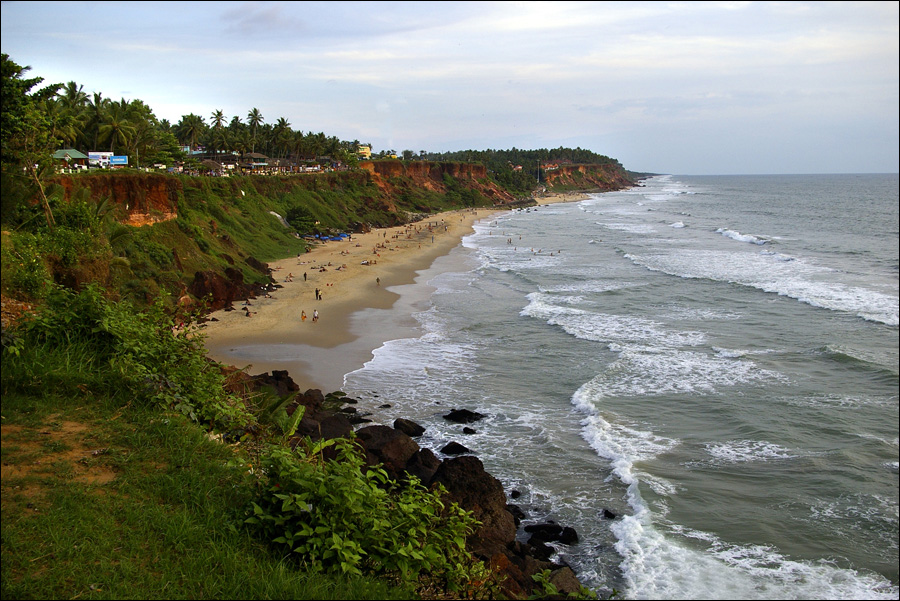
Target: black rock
x,y
464,416
541,550
423,465
517,513
408,427
546,532
454,448
568,536
468,430
609,515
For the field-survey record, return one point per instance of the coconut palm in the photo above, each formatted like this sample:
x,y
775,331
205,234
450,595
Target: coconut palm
x,y
95,108
217,119
115,126
254,120
282,137
63,125
189,129
73,96
145,130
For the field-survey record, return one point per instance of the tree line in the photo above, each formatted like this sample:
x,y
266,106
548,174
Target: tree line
x,y
38,122
74,118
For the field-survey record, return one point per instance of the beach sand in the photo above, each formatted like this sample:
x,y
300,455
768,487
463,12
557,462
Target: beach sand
x,y
358,310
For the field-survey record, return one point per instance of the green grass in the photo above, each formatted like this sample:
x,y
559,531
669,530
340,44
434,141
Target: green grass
x,y
101,502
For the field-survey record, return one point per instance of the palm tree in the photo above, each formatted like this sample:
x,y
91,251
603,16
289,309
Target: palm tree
x,y
62,123
189,129
73,96
94,110
145,125
298,144
281,136
115,126
217,119
218,140
254,120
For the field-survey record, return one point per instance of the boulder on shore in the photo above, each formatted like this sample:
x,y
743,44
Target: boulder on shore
x,y
464,416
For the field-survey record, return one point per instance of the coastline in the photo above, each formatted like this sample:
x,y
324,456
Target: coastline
x,y
358,309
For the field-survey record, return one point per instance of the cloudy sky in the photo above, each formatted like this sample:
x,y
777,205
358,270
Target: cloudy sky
x,y
667,87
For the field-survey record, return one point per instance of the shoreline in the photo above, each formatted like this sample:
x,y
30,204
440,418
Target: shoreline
x,y
358,311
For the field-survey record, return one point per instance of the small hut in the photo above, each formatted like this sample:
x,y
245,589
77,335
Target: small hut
x,y
211,167
72,158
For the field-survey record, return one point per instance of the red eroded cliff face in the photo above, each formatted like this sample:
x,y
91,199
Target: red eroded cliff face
x,y
145,198
430,176
603,177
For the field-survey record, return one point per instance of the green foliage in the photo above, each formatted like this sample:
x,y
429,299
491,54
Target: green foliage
x,y
301,219
338,516
166,525
23,266
549,590
121,351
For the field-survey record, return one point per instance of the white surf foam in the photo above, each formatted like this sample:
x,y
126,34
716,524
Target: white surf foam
x,y
739,237
742,451
816,286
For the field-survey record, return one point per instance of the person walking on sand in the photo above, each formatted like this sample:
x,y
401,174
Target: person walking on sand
x,y
318,295
378,281
303,316
315,315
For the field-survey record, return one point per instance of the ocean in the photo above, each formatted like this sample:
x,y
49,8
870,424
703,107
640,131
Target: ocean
x,y
712,359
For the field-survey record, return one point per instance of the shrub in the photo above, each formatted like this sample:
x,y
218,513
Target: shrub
x,y
24,269
337,515
140,355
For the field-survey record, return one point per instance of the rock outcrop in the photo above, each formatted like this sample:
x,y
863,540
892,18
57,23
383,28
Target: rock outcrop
x,y
465,479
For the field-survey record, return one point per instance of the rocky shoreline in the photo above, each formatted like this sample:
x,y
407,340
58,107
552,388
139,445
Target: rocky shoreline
x,y
515,553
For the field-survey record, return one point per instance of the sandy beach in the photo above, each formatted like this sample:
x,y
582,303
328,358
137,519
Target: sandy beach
x,y
357,280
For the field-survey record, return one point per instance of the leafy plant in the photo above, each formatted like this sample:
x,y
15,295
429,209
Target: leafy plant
x,y
336,515
549,590
130,353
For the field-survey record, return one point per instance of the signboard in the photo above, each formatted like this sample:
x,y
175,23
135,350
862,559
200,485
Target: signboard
x,y
99,159
118,160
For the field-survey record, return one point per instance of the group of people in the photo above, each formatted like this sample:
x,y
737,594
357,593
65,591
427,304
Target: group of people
x,y
315,316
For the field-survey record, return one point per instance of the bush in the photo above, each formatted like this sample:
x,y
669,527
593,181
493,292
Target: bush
x,y
337,515
133,355
24,270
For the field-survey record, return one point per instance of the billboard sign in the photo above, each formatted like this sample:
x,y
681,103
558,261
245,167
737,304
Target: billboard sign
x,y
118,160
99,159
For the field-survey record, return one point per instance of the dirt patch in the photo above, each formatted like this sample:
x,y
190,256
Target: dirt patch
x,y
55,449
12,311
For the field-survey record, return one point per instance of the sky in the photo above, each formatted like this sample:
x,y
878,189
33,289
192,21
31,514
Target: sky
x,y
690,88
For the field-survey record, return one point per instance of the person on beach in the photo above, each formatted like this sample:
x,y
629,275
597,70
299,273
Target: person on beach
x,y
315,315
302,315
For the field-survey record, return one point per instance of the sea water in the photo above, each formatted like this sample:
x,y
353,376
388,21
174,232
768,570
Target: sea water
x,y
714,360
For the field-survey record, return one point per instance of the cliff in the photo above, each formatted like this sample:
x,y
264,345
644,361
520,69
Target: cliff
x,y
394,187
602,178
143,199
392,177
